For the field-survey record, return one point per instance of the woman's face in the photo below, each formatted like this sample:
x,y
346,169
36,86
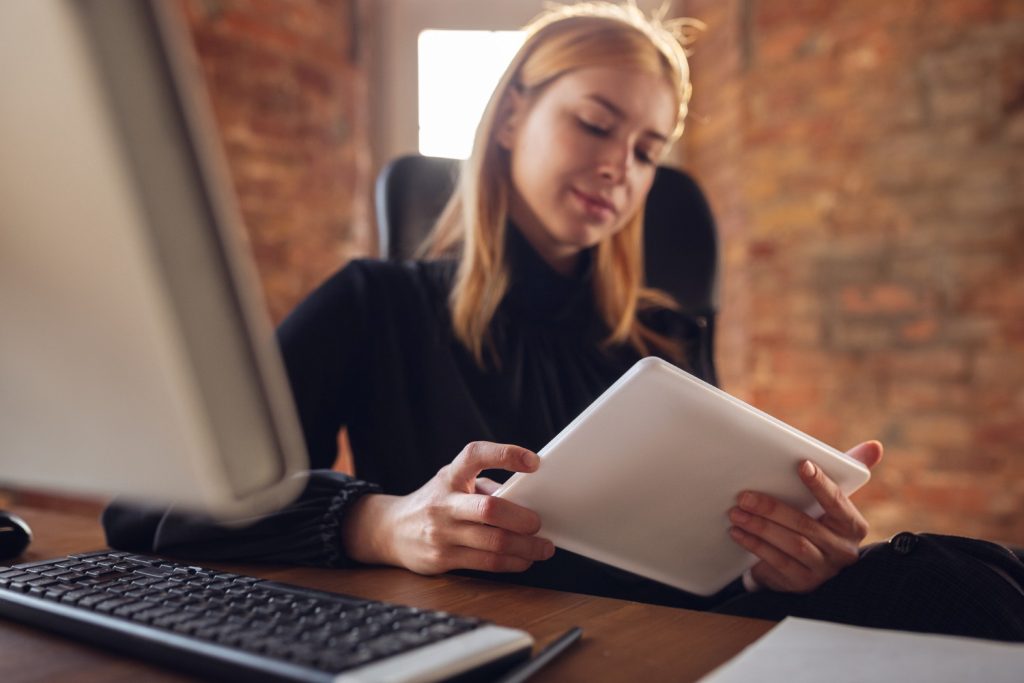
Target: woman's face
x,y
583,154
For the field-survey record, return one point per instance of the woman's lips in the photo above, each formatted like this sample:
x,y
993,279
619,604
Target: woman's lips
x,y
594,204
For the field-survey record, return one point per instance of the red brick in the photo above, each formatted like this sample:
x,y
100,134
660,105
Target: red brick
x,y
910,396
921,330
1008,431
932,363
971,500
945,431
879,298
997,367
959,12
860,335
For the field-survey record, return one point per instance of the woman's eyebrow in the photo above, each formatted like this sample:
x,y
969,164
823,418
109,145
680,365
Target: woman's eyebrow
x,y
617,111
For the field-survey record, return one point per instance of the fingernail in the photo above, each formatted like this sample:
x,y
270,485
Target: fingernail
x,y
748,500
735,533
807,468
530,459
549,551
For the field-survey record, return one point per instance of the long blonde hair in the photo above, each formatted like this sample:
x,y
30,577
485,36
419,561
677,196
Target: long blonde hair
x,y
473,223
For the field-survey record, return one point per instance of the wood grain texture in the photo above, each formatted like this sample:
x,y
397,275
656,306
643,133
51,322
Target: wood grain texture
x,y
622,641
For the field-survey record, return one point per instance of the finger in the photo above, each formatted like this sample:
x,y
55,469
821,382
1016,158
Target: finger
x,y
796,546
868,453
481,560
484,455
501,542
841,515
766,576
791,573
765,507
486,486
497,512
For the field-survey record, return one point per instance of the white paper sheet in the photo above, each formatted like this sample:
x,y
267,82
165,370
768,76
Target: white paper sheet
x,y
799,650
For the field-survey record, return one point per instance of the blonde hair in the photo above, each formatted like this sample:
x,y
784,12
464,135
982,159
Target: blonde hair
x,y
558,41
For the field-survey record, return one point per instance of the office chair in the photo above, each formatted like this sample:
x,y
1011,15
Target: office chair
x,y
680,240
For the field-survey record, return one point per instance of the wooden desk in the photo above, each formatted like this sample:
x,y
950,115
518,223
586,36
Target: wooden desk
x,y
622,641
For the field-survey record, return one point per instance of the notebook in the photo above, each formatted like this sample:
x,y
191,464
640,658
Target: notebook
x,y
806,651
644,477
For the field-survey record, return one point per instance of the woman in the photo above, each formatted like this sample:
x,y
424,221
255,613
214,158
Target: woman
x,y
530,304
564,157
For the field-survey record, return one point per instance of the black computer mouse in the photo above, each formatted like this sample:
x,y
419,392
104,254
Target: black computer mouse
x,y
14,535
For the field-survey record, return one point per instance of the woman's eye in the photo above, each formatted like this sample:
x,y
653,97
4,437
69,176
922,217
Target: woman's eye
x,y
593,128
644,157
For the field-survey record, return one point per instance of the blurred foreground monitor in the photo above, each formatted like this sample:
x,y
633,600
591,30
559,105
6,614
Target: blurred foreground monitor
x,y
135,354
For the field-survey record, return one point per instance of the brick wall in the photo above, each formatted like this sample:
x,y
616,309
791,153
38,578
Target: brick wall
x,y
865,160
289,89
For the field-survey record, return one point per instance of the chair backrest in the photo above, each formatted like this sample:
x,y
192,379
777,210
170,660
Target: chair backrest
x,y
680,239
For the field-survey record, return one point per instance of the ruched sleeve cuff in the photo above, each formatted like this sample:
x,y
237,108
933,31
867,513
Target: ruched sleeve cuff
x,y
306,532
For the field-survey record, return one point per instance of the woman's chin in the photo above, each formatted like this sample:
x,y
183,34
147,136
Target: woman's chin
x,y
588,234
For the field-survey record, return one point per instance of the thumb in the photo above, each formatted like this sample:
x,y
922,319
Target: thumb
x,y
483,455
868,453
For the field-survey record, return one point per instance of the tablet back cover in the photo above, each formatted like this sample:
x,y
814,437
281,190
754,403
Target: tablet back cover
x,y
643,479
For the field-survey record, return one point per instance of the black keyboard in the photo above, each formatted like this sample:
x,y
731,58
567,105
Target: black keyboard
x,y
237,627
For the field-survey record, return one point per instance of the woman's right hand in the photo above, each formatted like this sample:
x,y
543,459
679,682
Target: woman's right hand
x,y
452,521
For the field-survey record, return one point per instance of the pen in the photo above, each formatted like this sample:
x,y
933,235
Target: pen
x,y
527,669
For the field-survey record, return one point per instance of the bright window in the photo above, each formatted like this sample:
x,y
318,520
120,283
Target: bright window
x,y
457,73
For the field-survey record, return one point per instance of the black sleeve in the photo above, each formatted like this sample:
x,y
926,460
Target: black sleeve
x,y
321,345
305,532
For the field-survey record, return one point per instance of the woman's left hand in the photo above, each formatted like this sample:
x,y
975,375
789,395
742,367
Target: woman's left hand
x,y
799,553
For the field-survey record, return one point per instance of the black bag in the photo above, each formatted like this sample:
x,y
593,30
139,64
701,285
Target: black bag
x,y
915,582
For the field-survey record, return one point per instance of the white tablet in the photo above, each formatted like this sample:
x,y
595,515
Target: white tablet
x,y
644,478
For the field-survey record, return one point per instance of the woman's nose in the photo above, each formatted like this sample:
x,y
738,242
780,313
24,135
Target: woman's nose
x,y
614,162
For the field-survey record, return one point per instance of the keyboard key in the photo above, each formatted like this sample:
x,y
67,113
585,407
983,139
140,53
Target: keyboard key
x,y
57,592
14,575
158,572
148,615
38,566
110,604
171,619
57,572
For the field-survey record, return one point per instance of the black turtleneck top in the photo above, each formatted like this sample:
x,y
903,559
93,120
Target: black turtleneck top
x,y
373,350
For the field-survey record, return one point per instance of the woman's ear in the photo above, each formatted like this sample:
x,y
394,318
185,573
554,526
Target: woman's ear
x,y
509,118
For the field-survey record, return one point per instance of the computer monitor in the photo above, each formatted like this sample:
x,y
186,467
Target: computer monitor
x,y
135,353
